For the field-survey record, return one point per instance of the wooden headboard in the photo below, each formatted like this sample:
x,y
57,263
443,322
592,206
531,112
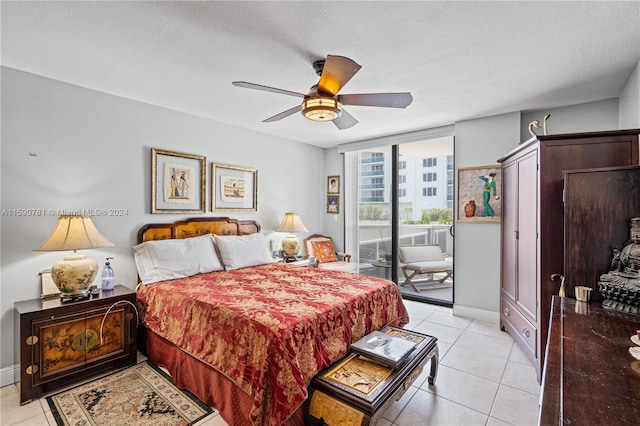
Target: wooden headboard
x,y
197,226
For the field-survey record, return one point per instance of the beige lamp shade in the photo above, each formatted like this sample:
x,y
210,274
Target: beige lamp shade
x,y
291,223
75,273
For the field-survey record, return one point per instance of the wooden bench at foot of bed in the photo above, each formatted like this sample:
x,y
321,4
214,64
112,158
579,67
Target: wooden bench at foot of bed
x,y
356,392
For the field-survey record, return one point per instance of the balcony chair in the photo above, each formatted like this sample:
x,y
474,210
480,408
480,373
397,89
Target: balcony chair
x,y
321,247
423,260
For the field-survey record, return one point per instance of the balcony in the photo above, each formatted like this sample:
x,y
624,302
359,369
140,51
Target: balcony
x,y
373,246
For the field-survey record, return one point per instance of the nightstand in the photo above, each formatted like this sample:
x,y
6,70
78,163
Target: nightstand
x,y
61,342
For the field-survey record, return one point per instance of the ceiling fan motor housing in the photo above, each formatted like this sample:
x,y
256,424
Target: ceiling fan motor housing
x,y
318,66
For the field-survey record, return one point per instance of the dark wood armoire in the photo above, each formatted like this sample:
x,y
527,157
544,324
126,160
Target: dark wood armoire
x,y
533,233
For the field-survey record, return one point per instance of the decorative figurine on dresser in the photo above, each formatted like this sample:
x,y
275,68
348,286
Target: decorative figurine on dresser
x,y
620,287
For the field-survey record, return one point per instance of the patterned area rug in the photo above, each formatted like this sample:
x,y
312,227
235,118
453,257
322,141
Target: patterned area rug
x,y
138,395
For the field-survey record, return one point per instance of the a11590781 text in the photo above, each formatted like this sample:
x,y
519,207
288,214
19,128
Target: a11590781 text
x,y
26,212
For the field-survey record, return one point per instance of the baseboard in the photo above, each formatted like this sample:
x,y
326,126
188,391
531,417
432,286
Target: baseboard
x,y
478,314
9,375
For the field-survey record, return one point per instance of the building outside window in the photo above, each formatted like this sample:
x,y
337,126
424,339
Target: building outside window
x,y
375,183
429,192
429,177
429,162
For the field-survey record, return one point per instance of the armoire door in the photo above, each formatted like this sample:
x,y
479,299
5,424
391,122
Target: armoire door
x,y
527,265
598,206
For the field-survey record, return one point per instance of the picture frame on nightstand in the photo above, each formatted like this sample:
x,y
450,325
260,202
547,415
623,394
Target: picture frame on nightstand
x,y
48,287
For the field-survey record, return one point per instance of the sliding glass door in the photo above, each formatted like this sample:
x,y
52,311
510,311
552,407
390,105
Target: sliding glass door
x,y
425,212
405,198
374,212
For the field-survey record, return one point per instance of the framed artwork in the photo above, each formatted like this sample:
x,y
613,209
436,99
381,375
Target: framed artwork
x,y
177,182
333,204
234,189
49,288
479,192
333,184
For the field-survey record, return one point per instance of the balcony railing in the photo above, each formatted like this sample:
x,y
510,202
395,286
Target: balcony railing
x,y
372,160
373,246
373,186
372,173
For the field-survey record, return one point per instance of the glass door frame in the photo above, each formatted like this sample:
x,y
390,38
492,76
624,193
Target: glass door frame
x,y
394,225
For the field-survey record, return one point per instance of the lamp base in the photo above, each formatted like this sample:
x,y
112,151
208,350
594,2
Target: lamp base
x,y
68,298
291,246
74,275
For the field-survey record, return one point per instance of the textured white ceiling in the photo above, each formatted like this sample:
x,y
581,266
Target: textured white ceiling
x,y
460,60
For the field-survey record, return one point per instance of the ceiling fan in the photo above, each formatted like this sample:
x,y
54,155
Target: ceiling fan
x,y
323,103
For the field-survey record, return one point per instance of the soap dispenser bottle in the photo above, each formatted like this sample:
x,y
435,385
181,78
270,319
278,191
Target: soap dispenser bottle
x,y
108,279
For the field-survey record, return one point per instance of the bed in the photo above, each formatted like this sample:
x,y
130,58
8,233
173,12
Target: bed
x,y
248,339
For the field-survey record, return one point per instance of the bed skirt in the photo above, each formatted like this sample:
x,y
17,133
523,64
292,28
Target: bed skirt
x,y
206,383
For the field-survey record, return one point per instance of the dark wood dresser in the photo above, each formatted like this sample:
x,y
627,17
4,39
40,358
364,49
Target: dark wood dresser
x,y
533,231
589,376
61,342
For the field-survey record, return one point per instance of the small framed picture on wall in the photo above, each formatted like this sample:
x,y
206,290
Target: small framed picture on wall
x,y
479,192
333,204
333,185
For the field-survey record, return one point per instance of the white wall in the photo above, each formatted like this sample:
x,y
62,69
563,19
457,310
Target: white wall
x,y
630,102
92,151
477,246
333,224
587,117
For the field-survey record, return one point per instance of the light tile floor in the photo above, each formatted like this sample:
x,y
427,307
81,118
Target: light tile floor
x,y
483,379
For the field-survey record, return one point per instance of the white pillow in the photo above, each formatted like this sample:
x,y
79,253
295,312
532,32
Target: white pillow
x,y
242,251
170,259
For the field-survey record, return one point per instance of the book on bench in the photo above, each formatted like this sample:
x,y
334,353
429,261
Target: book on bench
x,y
384,348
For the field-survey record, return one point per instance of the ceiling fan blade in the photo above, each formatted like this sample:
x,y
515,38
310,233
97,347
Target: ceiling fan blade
x,y
389,100
337,71
345,121
267,88
283,114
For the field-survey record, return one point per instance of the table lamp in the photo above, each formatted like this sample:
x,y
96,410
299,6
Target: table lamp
x,y
75,273
291,223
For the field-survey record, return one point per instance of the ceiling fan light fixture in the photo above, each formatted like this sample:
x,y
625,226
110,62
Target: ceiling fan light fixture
x,y
321,109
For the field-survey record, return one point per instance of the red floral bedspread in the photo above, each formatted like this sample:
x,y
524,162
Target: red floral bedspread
x,y
270,328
